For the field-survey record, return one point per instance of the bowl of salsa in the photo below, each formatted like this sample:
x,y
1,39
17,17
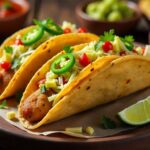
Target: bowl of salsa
x,y
13,14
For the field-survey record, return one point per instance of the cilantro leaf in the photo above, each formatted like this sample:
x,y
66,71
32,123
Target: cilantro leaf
x,y
68,49
15,63
108,123
3,105
8,49
7,5
108,36
128,41
42,88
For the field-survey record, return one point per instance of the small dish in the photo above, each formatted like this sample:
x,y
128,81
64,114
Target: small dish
x,y
12,23
98,27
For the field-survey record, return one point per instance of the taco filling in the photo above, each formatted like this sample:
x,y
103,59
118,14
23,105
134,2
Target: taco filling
x,y
65,68
14,55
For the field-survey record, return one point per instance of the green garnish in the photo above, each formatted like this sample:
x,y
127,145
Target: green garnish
x,y
50,26
108,123
7,5
15,63
108,36
68,49
128,41
78,130
3,105
8,49
57,69
42,88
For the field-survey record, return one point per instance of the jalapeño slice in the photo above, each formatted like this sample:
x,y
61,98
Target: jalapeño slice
x,y
50,26
32,36
55,67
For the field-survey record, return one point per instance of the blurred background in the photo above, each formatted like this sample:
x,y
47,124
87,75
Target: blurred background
x,y
60,10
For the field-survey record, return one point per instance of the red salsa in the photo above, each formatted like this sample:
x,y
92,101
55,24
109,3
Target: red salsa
x,y
9,8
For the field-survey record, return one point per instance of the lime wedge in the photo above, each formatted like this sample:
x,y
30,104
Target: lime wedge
x,y
137,114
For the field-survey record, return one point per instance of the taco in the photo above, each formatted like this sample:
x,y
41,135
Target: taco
x,y
23,53
83,77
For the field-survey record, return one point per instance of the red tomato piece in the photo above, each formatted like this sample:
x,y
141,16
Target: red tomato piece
x,y
107,46
6,65
67,30
84,60
82,30
18,42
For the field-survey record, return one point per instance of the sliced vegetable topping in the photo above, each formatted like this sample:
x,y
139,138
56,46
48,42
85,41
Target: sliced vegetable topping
x,y
18,42
32,36
84,60
107,46
68,62
42,88
6,65
8,49
50,26
68,49
82,30
67,30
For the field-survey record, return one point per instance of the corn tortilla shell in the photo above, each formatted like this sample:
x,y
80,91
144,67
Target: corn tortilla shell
x,y
105,80
43,53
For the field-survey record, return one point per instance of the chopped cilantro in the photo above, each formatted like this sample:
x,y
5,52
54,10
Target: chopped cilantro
x,y
108,123
3,105
68,49
15,63
42,88
8,49
108,36
128,41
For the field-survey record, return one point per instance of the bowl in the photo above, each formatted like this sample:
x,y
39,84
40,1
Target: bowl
x,y
10,24
98,27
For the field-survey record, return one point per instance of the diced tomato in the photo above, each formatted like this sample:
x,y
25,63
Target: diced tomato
x,y
84,60
18,42
6,65
123,53
82,30
107,46
5,13
67,30
41,82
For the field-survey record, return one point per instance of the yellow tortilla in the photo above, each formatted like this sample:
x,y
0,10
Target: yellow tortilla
x,y
43,53
105,80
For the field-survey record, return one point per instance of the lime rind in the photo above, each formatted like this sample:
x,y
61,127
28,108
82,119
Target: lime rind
x,y
137,114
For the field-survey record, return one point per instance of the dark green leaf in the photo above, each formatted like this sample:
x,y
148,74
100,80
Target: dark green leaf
x,y
15,63
3,105
128,41
108,36
42,88
108,123
8,49
68,49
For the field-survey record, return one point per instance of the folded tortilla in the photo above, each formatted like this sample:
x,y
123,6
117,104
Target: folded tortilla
x,y
106,79
41,54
